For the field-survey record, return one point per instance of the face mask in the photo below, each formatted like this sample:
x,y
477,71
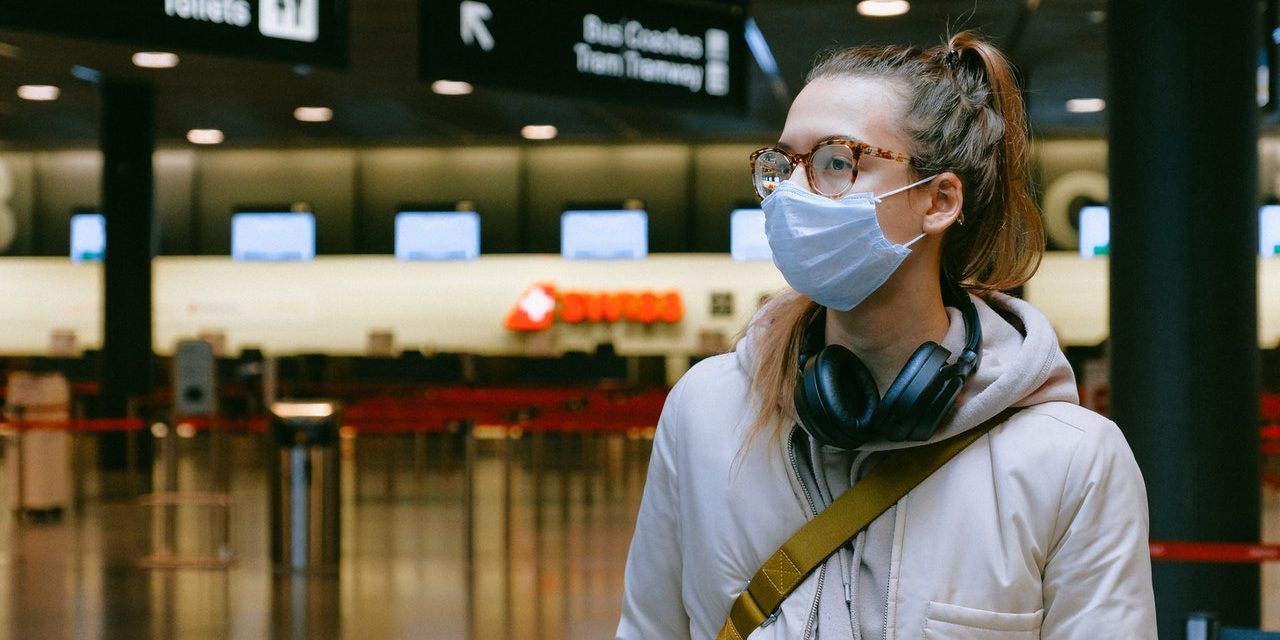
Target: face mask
x,y
832,251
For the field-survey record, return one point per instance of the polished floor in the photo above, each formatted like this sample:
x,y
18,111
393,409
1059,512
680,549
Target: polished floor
x,y
512,539
442,536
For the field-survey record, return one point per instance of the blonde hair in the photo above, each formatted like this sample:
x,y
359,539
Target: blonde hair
x,y
964,115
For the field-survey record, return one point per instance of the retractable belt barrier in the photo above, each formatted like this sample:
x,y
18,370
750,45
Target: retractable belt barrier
x,y
79,424
1215,552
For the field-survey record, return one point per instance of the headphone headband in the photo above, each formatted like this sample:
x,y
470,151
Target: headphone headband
x,y
971,354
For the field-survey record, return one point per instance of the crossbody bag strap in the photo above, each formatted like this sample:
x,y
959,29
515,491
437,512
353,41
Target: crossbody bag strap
x,y
885,484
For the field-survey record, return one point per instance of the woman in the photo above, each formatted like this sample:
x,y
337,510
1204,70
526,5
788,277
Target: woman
x,y
900,174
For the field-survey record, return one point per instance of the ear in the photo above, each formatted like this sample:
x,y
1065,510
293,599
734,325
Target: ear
x,y
947,206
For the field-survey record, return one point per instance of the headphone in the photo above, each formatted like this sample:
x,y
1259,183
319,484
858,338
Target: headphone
x,y
839,404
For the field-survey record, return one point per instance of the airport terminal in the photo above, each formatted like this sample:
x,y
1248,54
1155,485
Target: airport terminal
x,y
357,320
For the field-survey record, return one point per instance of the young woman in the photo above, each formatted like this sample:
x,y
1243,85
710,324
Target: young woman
x,y
901,176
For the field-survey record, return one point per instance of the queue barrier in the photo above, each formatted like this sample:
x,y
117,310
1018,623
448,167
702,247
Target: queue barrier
x,y
1215,552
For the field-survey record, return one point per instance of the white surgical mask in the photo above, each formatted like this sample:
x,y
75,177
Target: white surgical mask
x,y
832,251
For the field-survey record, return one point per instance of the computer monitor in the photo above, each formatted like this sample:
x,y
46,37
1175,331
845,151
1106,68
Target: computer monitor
x,y
273,236
1095,231
621,234
437,235
747,239
1269,231
88,237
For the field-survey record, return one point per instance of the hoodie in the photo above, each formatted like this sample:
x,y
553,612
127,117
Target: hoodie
x,y
1038,530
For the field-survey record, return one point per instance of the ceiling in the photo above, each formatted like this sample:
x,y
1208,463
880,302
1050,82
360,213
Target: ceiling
x,y
379,100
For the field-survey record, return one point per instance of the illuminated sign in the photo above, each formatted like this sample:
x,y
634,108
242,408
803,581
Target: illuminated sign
x,y
1095,232
294,31
669,53
1269,231
604,235
88,237
540,306
747,239
437,235
273,236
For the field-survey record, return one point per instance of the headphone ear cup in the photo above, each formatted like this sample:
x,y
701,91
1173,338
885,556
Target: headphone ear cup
x,y
909,399
837,398
939,402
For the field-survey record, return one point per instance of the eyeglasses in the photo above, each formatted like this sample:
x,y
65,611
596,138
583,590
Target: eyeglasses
x,y
831,167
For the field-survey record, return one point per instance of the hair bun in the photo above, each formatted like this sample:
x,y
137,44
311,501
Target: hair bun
x,y
951,59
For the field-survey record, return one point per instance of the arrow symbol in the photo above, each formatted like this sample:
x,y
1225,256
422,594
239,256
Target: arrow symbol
x,y
473,27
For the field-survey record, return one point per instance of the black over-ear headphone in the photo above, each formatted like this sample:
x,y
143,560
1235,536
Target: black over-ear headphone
x,y
839,404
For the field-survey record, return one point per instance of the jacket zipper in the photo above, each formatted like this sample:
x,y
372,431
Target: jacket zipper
x,y
813,509
795,468
884,630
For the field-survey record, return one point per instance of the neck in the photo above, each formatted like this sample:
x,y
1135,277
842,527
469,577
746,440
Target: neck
x,y
890,325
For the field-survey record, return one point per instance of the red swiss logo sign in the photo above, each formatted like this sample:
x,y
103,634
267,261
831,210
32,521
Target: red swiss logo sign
x,y
540,306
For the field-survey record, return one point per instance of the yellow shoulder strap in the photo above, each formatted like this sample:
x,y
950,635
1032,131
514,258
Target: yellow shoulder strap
x,y
871,496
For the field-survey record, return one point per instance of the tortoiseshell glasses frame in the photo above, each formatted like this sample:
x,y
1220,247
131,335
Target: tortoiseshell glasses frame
x,y
836,169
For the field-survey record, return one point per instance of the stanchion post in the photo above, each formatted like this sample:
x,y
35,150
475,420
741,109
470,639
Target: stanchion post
x,y
305,486
19,483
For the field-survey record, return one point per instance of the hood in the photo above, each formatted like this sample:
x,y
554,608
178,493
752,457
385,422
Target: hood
x,y
1022,364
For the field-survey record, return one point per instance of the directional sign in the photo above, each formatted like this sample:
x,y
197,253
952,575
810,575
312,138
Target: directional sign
x,y
295,31
683,53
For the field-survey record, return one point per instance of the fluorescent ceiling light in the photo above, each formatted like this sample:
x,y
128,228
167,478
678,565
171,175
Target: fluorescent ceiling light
x,y
41,92
1086,105
451,87
883,8
155,59
538,132
313,114
205,136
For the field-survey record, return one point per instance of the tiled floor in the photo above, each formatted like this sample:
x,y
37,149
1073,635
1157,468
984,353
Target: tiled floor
x,y
520,539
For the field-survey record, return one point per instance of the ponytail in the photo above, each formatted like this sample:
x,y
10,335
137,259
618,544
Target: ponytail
x,y
1004,249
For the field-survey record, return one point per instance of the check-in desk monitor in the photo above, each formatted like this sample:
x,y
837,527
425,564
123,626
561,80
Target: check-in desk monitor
x,y
437,235
88,237
621,234
1269,231
273,237
1095,231
747,240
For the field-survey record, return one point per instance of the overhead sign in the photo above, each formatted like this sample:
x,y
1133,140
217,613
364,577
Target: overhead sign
x,y
295,31
655,52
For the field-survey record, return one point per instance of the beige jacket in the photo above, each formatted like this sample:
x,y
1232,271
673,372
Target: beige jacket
x,y
1038,530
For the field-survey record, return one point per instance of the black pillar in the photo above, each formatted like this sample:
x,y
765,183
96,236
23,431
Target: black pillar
x,y
1184,223
128,141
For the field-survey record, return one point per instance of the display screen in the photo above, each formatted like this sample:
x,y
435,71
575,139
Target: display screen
x,y
1095,231
273,237
88,237
604,235
1269,231
437,235
747,240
